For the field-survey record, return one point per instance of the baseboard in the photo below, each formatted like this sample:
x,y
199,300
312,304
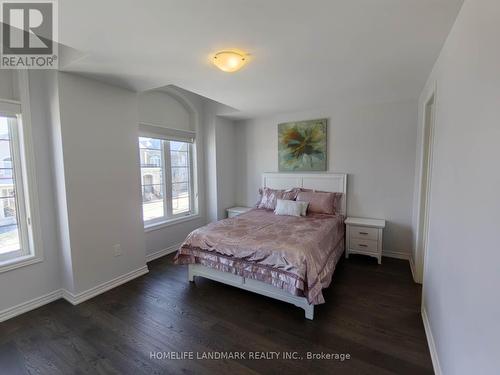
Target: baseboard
x,y
431,343
162,253
30,305
77,298
70,297
396,254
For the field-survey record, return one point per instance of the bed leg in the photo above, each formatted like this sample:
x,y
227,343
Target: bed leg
x,y
309,309
190,273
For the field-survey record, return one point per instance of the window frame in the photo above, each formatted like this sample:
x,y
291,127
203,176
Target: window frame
x,y
168,182
169,218
19,187
23,163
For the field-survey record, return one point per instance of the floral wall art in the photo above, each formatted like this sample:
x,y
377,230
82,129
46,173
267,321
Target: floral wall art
x,y
302,146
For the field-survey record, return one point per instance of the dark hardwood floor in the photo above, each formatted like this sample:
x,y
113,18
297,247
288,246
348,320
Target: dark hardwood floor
x,y
372,314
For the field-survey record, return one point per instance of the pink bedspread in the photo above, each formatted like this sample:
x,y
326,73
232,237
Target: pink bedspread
x,y
297,254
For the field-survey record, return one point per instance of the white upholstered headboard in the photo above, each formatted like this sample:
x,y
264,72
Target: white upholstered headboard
x,y
332,182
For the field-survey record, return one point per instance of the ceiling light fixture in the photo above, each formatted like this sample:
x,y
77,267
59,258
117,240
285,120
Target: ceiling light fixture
x,y
229,61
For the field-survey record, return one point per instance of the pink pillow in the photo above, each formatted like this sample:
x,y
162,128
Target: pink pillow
x,y
320,202
270,197
337,201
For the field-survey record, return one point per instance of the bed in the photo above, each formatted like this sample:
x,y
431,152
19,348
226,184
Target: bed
x,y
288,258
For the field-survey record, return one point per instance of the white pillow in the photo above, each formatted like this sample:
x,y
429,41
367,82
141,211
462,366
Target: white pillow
x,y
290,208
303,210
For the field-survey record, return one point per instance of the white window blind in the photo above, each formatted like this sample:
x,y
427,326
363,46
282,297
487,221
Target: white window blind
x,y
159,132
9,108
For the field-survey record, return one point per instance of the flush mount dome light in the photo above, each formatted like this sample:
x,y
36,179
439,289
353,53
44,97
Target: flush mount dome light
x,y
229,61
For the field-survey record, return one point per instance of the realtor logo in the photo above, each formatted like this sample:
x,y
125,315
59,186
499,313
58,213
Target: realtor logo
x,y
28,34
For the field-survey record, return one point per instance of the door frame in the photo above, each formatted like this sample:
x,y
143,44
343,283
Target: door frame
x,y
429,116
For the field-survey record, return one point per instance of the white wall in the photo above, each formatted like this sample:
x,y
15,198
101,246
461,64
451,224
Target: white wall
x,y
220,162
7,85
99,141
162,109
226,164
26,283
210,141
51,87
373,144
462,272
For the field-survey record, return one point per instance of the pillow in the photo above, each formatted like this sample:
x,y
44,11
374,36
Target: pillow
x,y
288,207
337,198
337,201
270,196
319,202
303,208
260,198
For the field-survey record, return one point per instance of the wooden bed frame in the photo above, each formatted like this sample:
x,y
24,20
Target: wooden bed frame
x,y
332,182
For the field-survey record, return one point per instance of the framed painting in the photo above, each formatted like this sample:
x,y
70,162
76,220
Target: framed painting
x,y
302,146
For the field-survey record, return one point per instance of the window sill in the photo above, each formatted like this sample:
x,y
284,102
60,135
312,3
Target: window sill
x,y
170,222
26,260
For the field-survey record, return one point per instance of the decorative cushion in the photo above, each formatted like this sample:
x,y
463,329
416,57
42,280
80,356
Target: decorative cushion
x,y
270,196
337,201
319,202
337,198
303,210
288,207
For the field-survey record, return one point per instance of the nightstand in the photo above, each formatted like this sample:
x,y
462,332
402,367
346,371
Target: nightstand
x,y
235,211
364,236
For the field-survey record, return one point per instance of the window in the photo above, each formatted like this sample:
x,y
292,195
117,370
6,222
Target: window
x,y
15,223
166,176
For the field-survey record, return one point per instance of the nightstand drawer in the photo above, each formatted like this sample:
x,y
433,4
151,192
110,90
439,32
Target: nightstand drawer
x,y
364,245
363,233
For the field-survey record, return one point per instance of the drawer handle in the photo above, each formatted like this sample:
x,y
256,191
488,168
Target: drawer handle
x,y
363,245
363,233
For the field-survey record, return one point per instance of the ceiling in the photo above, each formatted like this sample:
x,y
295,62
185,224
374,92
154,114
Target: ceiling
x,y
304,54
